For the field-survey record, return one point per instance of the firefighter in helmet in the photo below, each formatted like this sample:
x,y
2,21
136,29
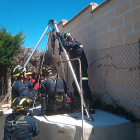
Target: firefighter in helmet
x,y
76,50
18,125
20,86
54,90
32,81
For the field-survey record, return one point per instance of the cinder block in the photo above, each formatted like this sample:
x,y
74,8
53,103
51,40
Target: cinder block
x,y
97,22
111,73
74,35
108,36
125,51
127,96
137,73
136,25
62,30
77,26
117,83
70,24
84,37
102,10
79,17
116,22
92,16
123,8
87,11
84,22
119,63
124,30
133,15
132,61
125,73
135,3
136,49
70,30
92,34
112,93
88,43
116,42
87,28
80,32
97,40
133,38
132,84
138,96
110,54
103,46
103,28
109,16
114,3
92,48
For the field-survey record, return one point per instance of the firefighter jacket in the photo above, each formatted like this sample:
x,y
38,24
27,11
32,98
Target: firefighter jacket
x,y
52,91
75,49
25,129
22,89
48,86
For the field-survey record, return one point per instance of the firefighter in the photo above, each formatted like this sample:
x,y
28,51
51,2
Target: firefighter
x,y
20,86
54,91
19,126
76,50
29,79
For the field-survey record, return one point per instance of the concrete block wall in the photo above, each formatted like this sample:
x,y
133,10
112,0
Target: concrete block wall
x,y
113,23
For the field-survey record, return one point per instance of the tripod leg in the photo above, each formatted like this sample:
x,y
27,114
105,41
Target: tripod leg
x,y
75,79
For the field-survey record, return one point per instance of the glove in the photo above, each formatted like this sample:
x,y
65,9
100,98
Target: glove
x,y
36,86
60,48
40,72
58,33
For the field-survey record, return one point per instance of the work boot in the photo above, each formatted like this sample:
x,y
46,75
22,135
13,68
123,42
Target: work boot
x,y
90,107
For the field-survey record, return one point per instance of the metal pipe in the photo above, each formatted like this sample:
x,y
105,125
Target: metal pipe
x,y
67,73
74,76
45,50
25,64
61,63
80,74
2,87
36,47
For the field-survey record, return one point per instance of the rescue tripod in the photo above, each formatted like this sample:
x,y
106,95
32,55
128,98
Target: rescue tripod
x,y
53,22
50,24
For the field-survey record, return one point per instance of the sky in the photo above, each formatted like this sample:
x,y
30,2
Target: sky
x,y
32,16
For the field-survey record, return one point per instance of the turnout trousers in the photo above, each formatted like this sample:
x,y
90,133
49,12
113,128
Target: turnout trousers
x,y
85,85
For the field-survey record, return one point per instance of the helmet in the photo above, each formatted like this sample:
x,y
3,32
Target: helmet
x,y
21,104
18,70
46,69
28,71
66,35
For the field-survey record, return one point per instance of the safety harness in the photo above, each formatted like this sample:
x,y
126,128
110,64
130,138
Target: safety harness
x,y
56,97
81,46
14,123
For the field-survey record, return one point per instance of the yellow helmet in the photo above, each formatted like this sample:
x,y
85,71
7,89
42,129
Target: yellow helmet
x,y
18,70
21,104
28,71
